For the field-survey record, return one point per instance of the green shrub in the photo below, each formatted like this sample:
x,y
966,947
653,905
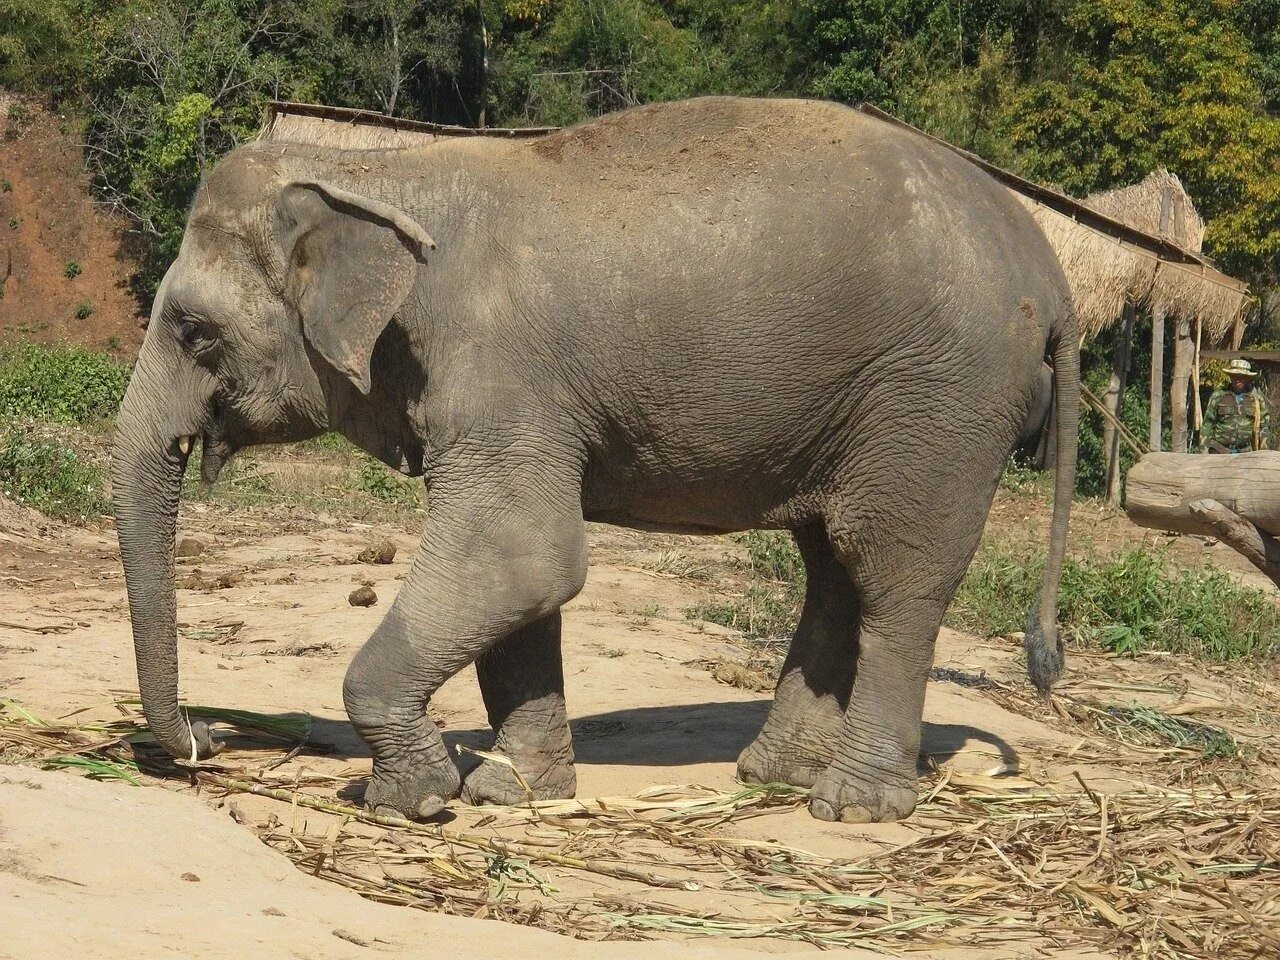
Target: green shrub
x,y
6,185
14,223
50,476
84,310
377,481
1126,604
64,384
71,270
772,554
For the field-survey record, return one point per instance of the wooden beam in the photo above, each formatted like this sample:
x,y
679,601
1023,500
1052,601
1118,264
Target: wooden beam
x,y
1234,497
1162,486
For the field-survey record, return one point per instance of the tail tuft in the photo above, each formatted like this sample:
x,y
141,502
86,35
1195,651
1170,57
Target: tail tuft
x,y
1045,653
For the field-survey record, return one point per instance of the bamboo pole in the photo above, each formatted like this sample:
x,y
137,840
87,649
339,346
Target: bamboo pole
x,y
1183,351
1114,399
1157,343
1157,380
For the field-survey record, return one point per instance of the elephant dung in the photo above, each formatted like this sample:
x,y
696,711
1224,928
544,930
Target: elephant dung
x,y
362,597
382,552
188,547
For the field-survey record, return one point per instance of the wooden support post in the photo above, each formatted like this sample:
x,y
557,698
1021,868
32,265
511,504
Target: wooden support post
x,y
1114,400
1183,355
1157,380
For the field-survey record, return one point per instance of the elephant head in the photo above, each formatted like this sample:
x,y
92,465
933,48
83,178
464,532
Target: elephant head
x,y
262,327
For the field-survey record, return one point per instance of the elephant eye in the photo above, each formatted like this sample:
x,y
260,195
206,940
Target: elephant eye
x,y
194,334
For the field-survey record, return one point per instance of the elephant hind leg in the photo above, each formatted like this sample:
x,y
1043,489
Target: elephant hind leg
x,y
522,683
799,736
906,568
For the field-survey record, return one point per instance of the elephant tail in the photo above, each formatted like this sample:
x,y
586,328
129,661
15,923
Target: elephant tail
x,y
1044,646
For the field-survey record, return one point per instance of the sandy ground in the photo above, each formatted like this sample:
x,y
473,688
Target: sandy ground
x,y
96,870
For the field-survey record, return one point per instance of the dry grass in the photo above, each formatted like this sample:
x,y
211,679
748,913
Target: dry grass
x,y
1163,872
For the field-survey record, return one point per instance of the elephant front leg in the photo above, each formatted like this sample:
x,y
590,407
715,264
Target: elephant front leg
x,y
522,682
503,549
386,692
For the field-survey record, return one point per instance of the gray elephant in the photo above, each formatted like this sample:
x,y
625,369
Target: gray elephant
x,y
699,317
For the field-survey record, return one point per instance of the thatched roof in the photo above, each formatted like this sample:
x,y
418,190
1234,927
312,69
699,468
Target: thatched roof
x,y
1110,245
1112,250
1159,205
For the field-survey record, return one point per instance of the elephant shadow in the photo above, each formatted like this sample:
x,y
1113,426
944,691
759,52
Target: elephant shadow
x,y
673,736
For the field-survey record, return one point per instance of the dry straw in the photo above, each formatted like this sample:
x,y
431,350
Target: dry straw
x,y
1190,870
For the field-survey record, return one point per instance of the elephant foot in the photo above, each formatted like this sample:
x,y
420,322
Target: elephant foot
x,y
549,777
417,793
841,797
765,762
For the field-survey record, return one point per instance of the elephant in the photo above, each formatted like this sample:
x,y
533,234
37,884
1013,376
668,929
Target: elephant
x,y
702,317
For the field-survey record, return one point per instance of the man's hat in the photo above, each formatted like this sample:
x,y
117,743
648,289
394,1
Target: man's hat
x,y
1239,368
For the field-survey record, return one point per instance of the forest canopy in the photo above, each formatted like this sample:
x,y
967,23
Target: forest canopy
x,y
1083,94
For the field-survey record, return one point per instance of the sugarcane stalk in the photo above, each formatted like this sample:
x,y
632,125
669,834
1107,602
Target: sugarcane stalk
x,y
435,832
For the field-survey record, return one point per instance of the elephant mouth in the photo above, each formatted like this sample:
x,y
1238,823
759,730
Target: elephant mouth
x,y
215,451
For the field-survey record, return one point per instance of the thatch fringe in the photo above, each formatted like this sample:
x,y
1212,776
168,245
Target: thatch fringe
x,y
1104,272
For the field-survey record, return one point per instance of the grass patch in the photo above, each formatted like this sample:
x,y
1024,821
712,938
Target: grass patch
x,y
1146,726
49,475
63,384
770,606
330,442
1130,603
383,484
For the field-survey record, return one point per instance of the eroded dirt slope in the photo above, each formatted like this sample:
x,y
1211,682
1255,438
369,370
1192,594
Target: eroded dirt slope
x,y
49,227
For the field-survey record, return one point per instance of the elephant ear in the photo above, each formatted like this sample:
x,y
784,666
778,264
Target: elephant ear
x,y
351,263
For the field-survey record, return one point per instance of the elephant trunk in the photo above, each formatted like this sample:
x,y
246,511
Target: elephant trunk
x,y
148,463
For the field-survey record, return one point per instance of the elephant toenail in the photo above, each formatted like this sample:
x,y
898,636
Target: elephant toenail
x,y
429,807
385,810
855,813
822,810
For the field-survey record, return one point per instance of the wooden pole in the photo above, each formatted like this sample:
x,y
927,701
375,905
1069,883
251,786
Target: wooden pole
x,y
1157,379
1114,400
1183,353
1157,341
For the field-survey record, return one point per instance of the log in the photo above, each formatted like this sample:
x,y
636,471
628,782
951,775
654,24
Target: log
x,y
1162,486
1235,498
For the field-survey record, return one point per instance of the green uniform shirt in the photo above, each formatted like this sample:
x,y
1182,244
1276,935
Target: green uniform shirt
x,y
1230,418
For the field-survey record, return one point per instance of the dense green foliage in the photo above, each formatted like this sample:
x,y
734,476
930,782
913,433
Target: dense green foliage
x,y
62,384
1088,94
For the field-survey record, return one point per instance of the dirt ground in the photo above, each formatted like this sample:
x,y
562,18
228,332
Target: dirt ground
x,y
174,868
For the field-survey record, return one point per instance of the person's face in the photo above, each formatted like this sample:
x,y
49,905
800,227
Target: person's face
x,y
1240,384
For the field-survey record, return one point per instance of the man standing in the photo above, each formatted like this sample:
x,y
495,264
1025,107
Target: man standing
x,y
1236,419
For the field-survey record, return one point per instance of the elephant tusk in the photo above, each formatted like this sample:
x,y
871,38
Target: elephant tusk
x,y
184,444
